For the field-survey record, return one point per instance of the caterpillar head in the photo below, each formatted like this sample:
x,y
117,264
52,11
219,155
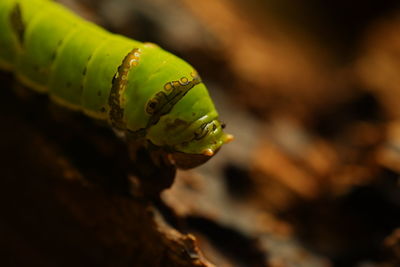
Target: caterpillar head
x,y
208,138
177,112
190,131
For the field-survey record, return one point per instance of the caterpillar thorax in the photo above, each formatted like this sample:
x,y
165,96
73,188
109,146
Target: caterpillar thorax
x,y
137,87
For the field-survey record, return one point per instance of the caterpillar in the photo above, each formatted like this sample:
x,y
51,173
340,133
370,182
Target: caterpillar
x,y
139,89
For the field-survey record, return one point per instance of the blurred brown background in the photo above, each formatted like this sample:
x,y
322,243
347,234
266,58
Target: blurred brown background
x,y
311,91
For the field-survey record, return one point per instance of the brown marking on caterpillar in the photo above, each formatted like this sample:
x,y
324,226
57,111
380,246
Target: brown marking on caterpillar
x,y
204,130
119,83
184,81
170,125
84,72
17,23
162,103
54,54
59,44
87,62
168,87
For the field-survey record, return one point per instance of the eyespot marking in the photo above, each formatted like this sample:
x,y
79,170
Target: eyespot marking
x,y
168,87
184,81
152,105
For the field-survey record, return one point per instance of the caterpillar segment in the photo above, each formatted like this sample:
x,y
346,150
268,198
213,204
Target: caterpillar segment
x,y
138,88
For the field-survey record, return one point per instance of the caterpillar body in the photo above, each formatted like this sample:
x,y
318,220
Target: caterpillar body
x,y
138,88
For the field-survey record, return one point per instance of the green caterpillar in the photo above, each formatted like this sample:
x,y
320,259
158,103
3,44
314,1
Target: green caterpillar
x,y
138,88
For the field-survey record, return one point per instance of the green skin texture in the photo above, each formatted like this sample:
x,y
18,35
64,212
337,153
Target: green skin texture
x,y
75,62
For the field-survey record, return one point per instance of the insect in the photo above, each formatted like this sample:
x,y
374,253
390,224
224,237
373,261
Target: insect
x,y
153,97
